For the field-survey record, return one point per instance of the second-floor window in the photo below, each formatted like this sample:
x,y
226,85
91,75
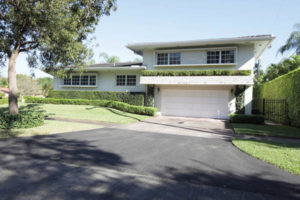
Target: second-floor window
x,y
221,57
80,80
168,58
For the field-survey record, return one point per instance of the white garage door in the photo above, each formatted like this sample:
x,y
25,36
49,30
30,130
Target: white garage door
x,y
195,103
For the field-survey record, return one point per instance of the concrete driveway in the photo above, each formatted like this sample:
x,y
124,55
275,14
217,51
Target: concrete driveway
x,y
162,158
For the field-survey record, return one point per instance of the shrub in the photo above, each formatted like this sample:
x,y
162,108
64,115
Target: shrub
x,y
1,95
4,101
103,103
284,87
126,97
25,119
197,73
251,119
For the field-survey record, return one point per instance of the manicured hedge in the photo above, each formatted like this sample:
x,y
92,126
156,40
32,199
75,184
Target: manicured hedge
x,y
25,119
251,119
103,103
284,87
126,97
197,73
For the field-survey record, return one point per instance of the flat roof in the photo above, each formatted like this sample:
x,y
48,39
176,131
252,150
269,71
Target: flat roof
x,y
261,42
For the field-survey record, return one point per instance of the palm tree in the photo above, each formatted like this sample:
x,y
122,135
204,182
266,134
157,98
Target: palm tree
x,y
293,41
109,59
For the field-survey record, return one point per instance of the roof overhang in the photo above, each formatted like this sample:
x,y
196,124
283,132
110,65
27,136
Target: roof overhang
x,y
260,42
115,68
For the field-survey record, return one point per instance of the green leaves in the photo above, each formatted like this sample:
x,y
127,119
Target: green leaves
x,y
52,33
197,73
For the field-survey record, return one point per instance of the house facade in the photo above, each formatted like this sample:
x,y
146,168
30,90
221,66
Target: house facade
x,y
188,96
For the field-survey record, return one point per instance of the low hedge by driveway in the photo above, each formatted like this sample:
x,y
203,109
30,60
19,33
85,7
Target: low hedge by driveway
x,y
103,103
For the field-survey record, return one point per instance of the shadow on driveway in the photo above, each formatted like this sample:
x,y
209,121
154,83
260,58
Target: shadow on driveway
x,y
76,166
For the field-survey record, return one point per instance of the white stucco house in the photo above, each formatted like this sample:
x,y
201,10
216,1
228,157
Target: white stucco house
x,y
188,96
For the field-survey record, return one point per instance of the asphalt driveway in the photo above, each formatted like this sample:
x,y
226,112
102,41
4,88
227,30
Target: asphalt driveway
x,y
162,158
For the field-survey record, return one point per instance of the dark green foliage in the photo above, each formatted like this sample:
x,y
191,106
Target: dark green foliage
x,y
250,119
126,97
284,67
239,94
1,95
150,96
103,103
27,118
197,73
293,42
284,87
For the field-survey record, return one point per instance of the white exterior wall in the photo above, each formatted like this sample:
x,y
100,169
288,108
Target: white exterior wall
x,y
106,81
244,58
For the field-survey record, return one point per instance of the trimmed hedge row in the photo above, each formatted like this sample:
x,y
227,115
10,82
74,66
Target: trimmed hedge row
x,y
251,119
103,103
126,97
197,73
284,87
24,119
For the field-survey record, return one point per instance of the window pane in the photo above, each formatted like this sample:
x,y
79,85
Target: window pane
x,y
75,80
175,58
121,79
162,58
213,57
93,80
67,81
227,56
84,80
131,79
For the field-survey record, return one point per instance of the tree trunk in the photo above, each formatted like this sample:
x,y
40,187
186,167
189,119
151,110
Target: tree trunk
x,y
12,83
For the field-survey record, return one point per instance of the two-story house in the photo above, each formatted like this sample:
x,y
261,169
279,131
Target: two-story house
x,y
211,96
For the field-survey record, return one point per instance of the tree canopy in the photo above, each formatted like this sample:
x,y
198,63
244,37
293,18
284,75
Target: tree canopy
x,y
54,34
293,42
109,59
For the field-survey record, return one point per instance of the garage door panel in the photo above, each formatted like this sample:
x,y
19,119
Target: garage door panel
x,y
195,103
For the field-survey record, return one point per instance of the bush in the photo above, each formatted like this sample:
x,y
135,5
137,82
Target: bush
x,y
126,97
197,73
251,119
25,119
103,103
4,101
284,87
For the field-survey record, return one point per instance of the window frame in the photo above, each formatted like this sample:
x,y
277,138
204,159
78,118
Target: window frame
x,y
220,56
126,80
168,57
79,81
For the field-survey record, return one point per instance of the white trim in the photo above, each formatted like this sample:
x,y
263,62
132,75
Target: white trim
x,y
136,79
115,68
78,86
195,49
196,80
81,74
199,65
220,54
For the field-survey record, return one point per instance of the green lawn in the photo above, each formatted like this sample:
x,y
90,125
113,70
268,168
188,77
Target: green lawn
x,y
86,112
283,155
266,130
50,127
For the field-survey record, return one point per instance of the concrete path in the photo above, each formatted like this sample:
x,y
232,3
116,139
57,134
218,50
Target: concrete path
x,y
138,162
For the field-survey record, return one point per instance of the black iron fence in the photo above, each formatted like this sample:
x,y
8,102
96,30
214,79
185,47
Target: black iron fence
x,y
273,109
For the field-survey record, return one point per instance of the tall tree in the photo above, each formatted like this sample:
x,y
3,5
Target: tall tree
x,y
109,59
293,42
287,65
52,33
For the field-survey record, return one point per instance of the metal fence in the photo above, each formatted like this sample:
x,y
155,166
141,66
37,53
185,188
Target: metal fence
x,y
273,109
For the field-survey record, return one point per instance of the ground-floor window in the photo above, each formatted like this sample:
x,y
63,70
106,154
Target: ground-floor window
x,y
81,80
129,80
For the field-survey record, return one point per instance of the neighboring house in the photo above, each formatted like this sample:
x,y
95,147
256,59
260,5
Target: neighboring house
x,y
5,91
191,96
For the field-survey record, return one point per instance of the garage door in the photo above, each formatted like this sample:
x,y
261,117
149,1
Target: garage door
x,y
195,103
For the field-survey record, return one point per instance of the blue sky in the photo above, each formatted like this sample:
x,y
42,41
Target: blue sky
x,y
172,20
